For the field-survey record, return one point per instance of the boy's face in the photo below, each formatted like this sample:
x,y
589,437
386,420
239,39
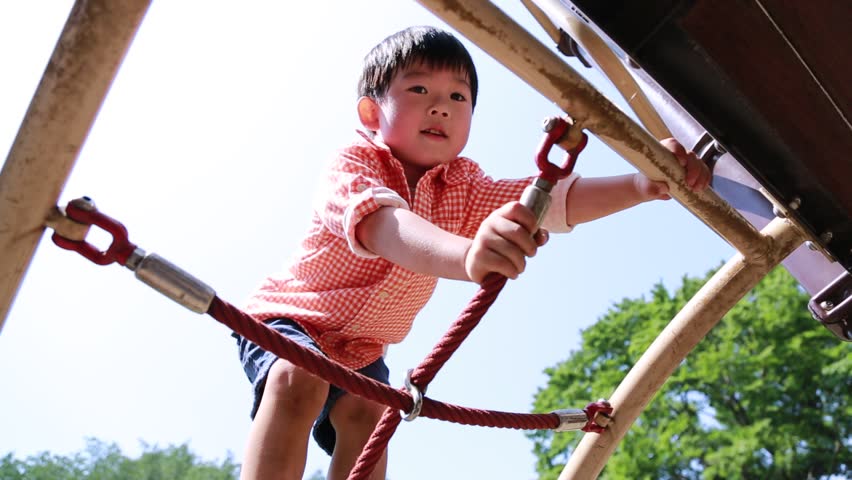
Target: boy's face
x,y
425,116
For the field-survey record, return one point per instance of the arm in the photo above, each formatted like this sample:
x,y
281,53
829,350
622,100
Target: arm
x,y
407,239
501,244
593,198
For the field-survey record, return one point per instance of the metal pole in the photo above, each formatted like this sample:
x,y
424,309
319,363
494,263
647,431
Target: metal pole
x,y
606,60
690,326
501,37
84,63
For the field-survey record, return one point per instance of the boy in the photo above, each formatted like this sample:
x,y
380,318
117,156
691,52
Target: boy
x,y
401,209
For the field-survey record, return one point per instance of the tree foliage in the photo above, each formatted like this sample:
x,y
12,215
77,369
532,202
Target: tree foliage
x,y
101,461
765,395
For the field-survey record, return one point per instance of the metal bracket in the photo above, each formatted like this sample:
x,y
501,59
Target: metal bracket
x,y
832,306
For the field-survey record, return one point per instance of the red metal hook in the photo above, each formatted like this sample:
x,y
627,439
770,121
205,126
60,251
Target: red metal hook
x,y
83,210
592,410
555,129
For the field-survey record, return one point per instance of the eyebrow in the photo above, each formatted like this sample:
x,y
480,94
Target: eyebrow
x,y
423,73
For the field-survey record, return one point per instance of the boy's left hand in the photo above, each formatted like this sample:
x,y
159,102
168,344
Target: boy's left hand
x,y
697,174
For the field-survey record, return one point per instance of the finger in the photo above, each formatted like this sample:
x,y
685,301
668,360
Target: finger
x,y
519,214
519,238
503,262
693,171
513,253
506,224
541,237
708,177
676,148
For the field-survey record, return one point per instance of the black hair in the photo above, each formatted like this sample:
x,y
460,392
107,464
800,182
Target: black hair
x,y
428,45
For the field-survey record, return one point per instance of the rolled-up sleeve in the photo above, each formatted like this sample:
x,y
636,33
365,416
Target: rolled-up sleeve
x,y
363,204
356,187
555,218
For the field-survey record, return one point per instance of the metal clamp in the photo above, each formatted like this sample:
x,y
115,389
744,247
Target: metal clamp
x,y
153,270
570,419
555,128
594,410
416,395
832,306
82,210
585,419
536,196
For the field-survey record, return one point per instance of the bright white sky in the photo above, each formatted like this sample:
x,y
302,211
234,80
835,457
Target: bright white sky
x,y
208,149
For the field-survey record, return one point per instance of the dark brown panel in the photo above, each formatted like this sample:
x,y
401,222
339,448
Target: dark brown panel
x,y
739,38
821,31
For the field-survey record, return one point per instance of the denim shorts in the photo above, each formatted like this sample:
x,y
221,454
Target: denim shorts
x,y
257,361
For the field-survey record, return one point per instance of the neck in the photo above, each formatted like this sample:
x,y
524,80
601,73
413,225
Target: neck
x,y
413,174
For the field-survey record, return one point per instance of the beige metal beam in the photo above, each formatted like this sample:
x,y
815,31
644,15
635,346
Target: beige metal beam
x,y
501,37
606,60
84,63
759,252
690,326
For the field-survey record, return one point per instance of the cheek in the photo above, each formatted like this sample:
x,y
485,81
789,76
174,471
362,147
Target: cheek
x,y
392,115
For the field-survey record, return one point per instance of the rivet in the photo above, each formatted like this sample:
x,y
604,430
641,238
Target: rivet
x,y
795,203
84,203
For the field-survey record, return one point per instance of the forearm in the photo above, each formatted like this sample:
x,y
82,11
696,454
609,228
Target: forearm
x,y
593,198
406,239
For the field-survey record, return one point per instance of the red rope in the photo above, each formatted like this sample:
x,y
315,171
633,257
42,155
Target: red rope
x,y
355,383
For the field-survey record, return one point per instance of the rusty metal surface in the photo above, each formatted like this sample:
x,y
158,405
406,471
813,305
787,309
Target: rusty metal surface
x,y
781,106
506,41
80,71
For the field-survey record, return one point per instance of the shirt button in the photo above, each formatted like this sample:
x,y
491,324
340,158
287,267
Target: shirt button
x,y
360,188
383,294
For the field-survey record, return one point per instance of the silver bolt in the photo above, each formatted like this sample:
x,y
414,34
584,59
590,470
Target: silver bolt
x,y
84,203
795,203
826,305
826,236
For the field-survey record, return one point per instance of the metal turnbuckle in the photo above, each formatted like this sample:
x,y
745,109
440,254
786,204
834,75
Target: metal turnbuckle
x,y
152,269
83,210
586,419
555,129
536,196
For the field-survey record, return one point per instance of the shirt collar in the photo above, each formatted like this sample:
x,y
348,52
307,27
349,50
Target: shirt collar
x,y
452,173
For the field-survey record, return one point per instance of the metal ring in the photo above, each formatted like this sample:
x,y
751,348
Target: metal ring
x,y
416,395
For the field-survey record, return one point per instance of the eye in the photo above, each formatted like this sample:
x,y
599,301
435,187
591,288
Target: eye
x,y
417,89
458,97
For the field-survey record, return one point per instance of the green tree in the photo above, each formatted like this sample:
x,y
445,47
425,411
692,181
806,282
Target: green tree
x,y
101,461
317,475
765,395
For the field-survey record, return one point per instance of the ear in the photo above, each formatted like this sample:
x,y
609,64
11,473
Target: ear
x,y
368,113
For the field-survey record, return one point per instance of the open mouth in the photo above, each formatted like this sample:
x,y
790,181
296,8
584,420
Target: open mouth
x,y
434,132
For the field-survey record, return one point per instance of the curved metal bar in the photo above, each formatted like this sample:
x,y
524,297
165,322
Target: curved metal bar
x,y
83,65
674,343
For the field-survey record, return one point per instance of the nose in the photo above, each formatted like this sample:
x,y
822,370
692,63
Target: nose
x,y
440,109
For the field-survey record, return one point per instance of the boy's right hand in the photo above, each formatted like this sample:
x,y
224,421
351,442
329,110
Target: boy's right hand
x,y
503,242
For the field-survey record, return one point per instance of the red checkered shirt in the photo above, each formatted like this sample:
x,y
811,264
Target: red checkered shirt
x,y
352,302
